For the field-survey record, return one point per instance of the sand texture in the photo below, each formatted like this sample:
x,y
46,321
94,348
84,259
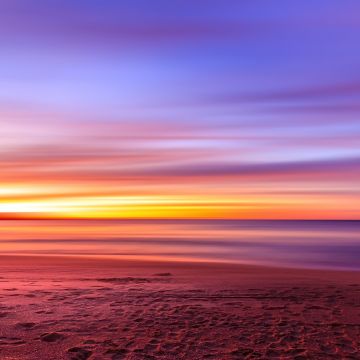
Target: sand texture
x,y
95,309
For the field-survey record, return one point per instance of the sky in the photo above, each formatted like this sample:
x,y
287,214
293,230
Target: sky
x,y
180,109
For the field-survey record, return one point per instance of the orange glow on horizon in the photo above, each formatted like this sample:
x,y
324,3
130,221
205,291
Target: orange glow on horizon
x,y
54,202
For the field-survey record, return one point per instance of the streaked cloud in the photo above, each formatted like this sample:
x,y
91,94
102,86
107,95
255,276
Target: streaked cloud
x,y
206,109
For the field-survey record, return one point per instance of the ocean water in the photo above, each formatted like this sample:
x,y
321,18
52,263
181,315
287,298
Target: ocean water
x,y
305,244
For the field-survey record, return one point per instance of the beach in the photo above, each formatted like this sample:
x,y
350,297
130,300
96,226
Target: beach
x,y
96,308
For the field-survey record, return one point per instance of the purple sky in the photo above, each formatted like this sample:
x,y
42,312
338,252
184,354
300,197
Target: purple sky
x,y
264,92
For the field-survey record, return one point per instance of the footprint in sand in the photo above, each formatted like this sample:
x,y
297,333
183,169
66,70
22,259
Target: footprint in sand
x,y
52,337
118,353
79,353
25,325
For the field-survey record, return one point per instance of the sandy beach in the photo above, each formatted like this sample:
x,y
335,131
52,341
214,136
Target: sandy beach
x,y
73,308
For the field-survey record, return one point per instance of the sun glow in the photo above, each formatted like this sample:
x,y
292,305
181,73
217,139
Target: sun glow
x,y
31,201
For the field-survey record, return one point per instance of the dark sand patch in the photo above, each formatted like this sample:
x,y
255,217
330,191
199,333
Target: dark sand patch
x,y
52,337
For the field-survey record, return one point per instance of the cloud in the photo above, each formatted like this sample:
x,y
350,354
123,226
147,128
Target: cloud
x,y
262,170
295,94
124,24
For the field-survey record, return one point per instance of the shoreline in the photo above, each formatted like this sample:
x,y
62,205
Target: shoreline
x,y
122,261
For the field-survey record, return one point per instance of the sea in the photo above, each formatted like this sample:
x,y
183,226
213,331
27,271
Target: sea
x,y
282,243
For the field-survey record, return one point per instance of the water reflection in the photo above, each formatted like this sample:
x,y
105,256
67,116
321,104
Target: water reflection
x,y
330,244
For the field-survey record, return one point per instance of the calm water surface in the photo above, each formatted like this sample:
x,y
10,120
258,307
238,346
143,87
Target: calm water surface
x,y
313,244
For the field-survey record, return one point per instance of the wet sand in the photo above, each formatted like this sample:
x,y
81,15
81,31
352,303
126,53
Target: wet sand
x,y
71,308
